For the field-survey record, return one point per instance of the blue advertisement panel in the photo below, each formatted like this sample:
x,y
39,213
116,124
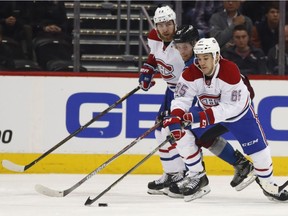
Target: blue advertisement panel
x,y
134,115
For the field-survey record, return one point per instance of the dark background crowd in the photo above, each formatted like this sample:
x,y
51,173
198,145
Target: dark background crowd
x,y
35,33
247,32
38,33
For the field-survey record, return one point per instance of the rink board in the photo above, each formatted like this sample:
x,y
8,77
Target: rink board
x,y
75,163
39,110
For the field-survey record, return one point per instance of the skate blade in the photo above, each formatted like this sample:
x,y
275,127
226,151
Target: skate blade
x,y
174,195
245,183
276,200
155,192
163,191
205,190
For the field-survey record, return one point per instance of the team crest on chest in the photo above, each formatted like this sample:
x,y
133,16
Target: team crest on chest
x,y
209,100
166,70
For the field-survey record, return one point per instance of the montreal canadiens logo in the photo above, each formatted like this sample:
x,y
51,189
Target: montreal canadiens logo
x,y
209,100
166,70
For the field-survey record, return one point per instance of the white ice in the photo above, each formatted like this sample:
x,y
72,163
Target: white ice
x,y
128,197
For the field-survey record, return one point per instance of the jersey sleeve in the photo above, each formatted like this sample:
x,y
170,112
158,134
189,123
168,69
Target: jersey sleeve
x,y
153,39
185,92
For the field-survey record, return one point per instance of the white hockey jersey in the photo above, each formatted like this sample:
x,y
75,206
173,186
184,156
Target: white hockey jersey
x,y
167,60
225,98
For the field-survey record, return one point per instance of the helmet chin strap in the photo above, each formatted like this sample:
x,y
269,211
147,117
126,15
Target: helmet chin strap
x,y
214,65
213,69
217,58
210,74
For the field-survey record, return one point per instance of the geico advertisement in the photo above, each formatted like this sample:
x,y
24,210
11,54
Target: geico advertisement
x,y
39,112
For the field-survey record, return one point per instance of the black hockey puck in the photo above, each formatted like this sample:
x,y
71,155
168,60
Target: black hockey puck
x,y
102,204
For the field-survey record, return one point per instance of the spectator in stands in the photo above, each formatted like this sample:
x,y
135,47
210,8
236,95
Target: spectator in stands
x,y
222,23
52,34
273,56
255,10
199,14
17,36
6,58
49,18
265,34
12,27
249,59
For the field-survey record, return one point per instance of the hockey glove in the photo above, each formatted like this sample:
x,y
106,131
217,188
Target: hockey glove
x,y
188,117
145,79
162,115
200,117
205,117
174,125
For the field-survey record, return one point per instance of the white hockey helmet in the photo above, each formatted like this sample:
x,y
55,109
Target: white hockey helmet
x,y
164,14
207,45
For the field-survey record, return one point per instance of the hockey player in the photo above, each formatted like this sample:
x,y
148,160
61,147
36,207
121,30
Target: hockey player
x,y
222,98
165,58
184,40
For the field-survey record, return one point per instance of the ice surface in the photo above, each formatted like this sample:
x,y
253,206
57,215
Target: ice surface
x,y
128,197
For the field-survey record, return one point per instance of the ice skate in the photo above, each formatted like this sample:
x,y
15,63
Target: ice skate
x,y
161,186
282,196
176,189
244,173
196,186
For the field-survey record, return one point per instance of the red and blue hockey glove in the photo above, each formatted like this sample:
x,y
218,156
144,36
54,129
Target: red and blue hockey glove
x,y
188,117
145,79
205,118
174,125
162,115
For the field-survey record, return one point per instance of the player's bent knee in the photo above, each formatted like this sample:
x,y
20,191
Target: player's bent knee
x,y
218,145
207,143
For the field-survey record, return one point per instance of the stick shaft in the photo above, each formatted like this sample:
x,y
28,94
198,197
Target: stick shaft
x,y
55,193
111,159
90,201
81,128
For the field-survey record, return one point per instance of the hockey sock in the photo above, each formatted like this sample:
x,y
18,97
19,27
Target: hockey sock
x,y
224,150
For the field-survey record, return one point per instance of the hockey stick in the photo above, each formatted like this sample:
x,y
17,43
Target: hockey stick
x,y
54,193
21,168
89,201
272,188
282,186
